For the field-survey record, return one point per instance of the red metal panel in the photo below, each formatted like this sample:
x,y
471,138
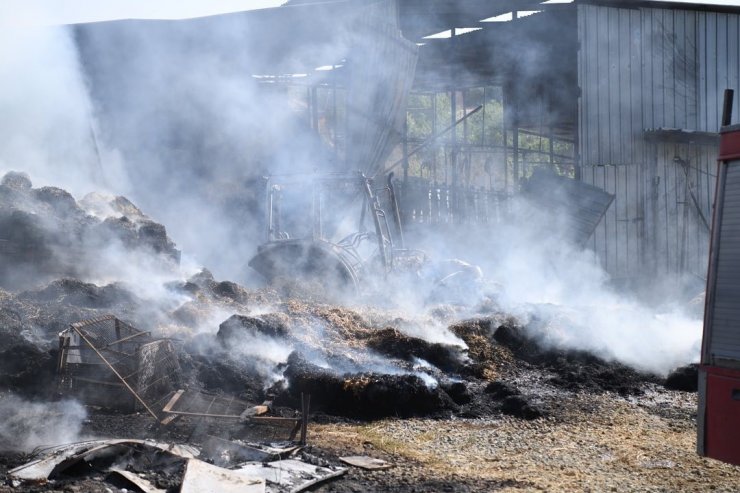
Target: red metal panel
x,y
729,146
722,418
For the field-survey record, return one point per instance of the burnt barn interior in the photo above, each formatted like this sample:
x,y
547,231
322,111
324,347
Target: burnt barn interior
x,y
498,90
388,245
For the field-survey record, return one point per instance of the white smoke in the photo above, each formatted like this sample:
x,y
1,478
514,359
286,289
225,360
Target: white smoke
x,y
565,299
46,126
25,425
264,352
48,129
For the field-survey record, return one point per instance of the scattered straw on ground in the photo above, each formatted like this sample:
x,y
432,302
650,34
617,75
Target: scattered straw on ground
x,y
621,447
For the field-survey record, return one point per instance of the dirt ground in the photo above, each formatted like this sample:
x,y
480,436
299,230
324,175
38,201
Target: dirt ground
x,y
605,443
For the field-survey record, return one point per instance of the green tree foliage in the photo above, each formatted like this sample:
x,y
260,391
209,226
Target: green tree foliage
x,y
477,147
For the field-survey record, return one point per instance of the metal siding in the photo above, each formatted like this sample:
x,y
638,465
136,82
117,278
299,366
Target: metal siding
x,y
725,340
636,86
652,68
719,65
722,58
733,78
613,100
579,204
710,60
602,89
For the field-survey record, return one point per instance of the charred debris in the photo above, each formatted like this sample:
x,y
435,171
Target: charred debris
x,y
188,381
183,401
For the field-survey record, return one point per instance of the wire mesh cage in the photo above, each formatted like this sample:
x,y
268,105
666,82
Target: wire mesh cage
x,y
107,362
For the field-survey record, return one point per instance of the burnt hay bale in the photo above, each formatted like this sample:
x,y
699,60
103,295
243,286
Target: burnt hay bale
x,y
119,228
362,395
685,378
231,291
234,328
45,234
125,207
501,390
24,367
519,407
393,343
82,294
574,370
154,236
458,392
216,372
60,201
16,181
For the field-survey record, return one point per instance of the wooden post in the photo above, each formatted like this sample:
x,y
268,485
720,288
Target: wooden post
x,y
305,407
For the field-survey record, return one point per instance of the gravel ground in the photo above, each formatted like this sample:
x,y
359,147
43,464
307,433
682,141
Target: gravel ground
x,y
607,443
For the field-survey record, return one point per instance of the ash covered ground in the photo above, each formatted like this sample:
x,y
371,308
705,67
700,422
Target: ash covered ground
x,y
407,387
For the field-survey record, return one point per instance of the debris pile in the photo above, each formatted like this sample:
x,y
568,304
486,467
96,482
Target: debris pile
x,y
208,363
151,467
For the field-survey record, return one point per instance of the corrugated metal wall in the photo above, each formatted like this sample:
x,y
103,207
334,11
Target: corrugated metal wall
x,y
644,69
724,338
719,52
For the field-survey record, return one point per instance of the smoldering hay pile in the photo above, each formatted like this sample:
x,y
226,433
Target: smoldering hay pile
x,y
64,260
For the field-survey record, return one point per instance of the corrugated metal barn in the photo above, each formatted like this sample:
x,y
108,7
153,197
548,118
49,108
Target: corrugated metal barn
x,y
623,95
649,114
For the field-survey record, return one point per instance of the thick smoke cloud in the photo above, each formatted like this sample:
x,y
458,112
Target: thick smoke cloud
x,y
197,131
171,118
46,127
30,424
563,297
188,131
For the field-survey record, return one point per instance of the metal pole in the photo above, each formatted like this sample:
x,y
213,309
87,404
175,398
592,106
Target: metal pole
x,y
552,147
314,110
406,150
453,135
515,134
